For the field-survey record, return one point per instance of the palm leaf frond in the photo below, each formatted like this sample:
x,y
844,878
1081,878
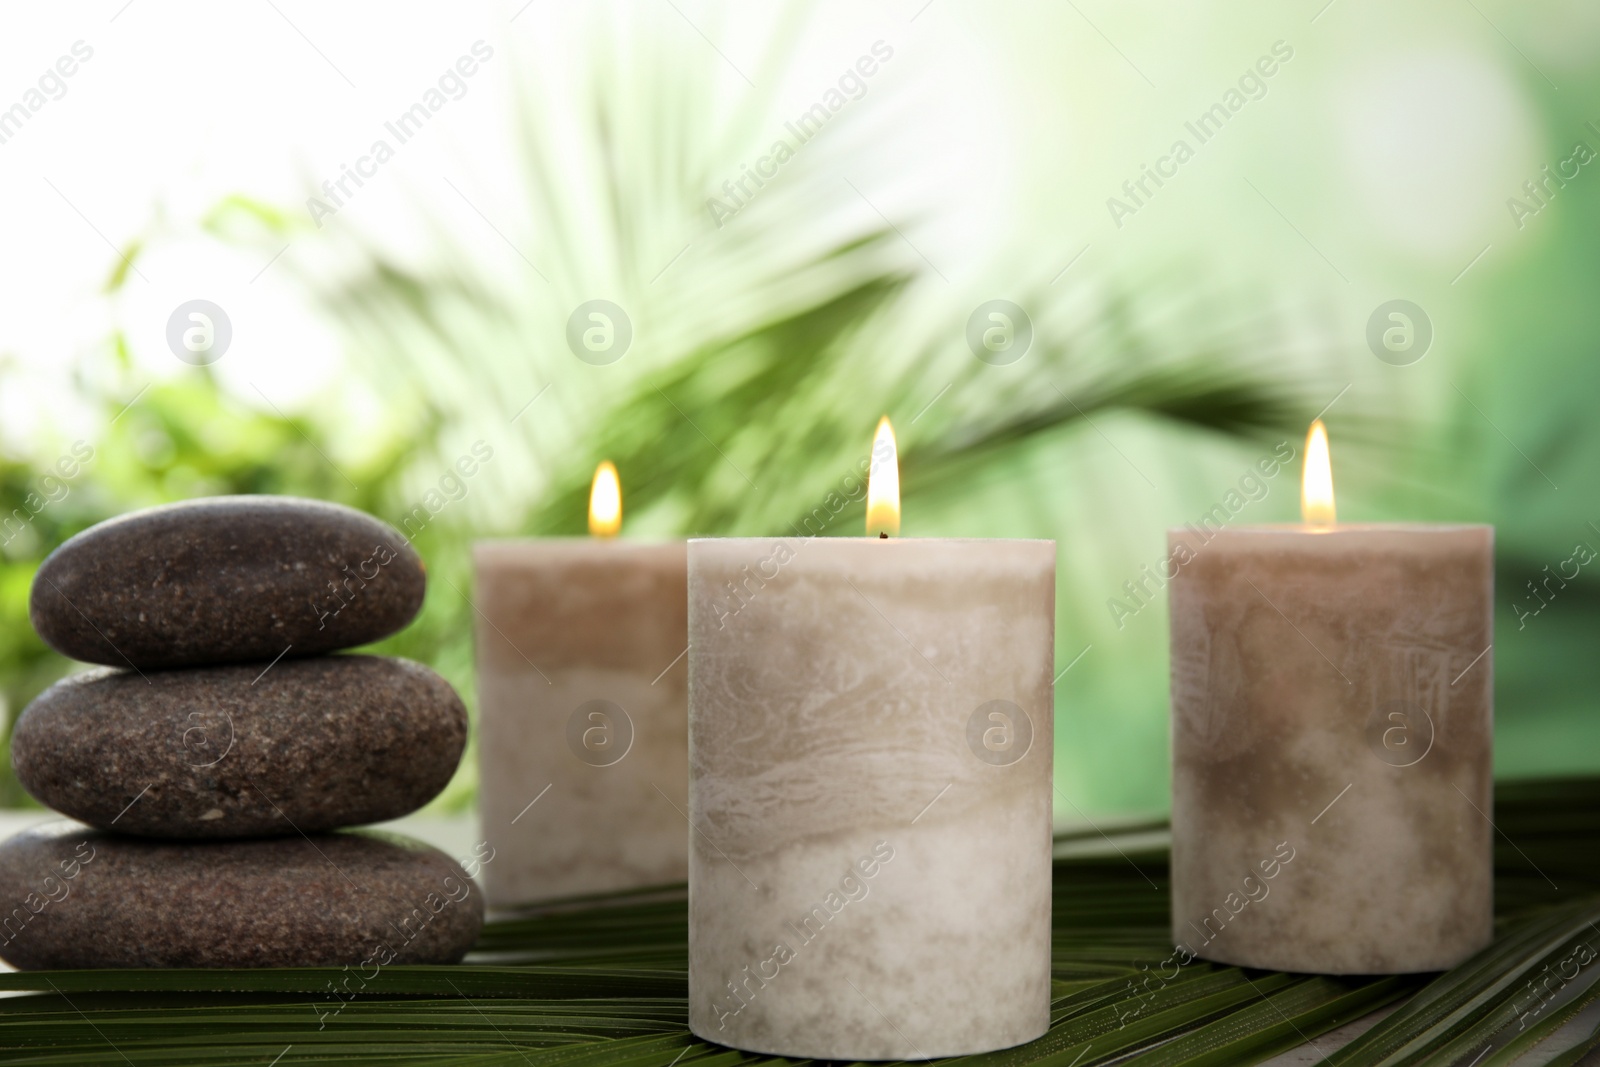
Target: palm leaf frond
x,y
603,983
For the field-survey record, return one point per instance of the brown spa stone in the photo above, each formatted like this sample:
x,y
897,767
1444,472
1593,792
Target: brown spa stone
x,y
74,897
226,580
247,750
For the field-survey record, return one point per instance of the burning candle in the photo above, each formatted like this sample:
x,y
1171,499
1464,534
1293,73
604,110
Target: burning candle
x,y
870,790
583,734
1332,740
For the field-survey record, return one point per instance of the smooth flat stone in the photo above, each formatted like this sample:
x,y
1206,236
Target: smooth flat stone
x,y
226,580
77,897
308,745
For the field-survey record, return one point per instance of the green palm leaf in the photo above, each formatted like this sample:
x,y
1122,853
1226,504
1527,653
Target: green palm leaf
x,y
602,983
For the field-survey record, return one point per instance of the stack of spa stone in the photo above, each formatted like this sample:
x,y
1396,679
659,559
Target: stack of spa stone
x,y
212,760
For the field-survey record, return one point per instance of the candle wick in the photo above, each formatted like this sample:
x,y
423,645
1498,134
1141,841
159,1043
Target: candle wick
x,y
882,536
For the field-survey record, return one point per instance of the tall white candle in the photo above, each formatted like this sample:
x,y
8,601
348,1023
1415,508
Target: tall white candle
x,y
1332,741
870,791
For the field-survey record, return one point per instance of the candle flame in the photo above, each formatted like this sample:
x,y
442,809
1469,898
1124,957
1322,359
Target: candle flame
x,y
1316,479
605,501
883,483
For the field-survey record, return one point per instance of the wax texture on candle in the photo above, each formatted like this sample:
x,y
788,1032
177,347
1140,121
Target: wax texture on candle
x,y
870,786
1332,743
583,725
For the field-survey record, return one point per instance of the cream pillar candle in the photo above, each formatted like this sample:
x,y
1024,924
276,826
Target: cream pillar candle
x,y
1332,742
870,791
583,733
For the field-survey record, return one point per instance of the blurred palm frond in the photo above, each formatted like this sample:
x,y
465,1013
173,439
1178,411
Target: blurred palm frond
x,y
763,350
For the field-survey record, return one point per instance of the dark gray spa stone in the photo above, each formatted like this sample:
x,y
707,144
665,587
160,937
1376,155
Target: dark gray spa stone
x,y
226,580
75,897
245,750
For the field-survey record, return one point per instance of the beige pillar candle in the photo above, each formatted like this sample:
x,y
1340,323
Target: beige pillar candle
x,y
870,789
583,733
1332,742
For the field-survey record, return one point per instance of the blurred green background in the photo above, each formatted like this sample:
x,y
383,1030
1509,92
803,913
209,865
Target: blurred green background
x,y
1171,345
